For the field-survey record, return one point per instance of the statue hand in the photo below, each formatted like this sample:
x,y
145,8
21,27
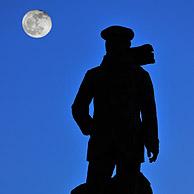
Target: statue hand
x,y
152,155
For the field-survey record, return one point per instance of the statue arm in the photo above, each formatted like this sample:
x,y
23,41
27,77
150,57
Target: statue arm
x,y
80,106
149,116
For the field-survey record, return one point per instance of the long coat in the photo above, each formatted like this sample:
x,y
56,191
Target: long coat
x,y
124,118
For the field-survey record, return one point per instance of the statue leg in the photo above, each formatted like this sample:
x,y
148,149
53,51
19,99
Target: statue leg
x,y
127,176
99,175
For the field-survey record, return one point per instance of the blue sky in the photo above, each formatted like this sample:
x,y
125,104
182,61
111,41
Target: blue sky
x,y
42,150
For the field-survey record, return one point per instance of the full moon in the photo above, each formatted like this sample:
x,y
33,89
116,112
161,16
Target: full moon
x,y
36,23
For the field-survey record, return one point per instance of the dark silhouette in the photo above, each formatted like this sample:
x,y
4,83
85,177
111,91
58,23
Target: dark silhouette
x,y
124,119
143,186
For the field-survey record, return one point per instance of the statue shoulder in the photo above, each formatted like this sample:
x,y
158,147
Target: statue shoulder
x,y
94,70
142,70
143,73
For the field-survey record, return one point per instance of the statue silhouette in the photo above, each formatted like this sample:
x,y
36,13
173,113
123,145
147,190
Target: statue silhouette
x,y
124,119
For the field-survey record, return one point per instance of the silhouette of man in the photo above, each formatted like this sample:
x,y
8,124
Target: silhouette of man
x,y
124,119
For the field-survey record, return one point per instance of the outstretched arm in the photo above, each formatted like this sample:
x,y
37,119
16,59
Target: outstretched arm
x,y
80,106
149,118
